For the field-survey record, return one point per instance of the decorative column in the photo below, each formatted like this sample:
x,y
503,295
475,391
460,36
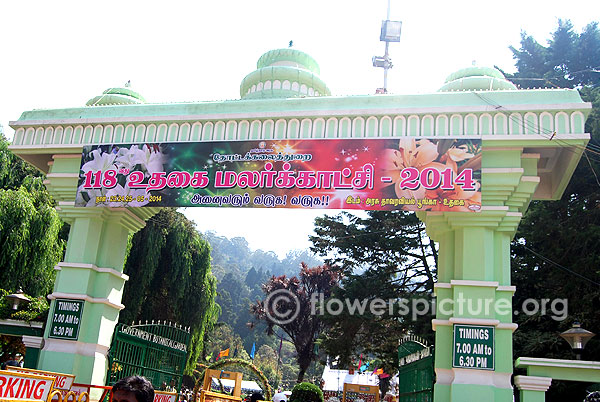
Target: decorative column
x,y
33,344
87,292
532,389
473,325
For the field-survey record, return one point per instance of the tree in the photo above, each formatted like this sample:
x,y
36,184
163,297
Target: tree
x,y
384,255
554,253
304,329
170,278
570,60
31,237
13,170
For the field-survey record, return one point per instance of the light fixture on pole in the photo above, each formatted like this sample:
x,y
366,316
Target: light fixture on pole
x,y
390,32
17,298
577,338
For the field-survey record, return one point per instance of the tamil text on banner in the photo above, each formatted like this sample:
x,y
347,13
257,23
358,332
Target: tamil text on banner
x,y
22,387
369,174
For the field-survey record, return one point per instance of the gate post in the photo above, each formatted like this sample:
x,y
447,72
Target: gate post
x,y
532,389
474,290
90,278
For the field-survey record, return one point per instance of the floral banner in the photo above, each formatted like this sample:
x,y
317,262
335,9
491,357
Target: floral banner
x,y
369,174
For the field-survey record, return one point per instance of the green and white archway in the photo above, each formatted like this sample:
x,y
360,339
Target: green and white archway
x,y
531,142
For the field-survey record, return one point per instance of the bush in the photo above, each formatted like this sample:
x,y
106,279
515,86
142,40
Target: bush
x,y
306,392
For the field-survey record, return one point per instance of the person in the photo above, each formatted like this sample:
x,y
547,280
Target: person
x,y
257,396
11,362
280,397
133,389
171,386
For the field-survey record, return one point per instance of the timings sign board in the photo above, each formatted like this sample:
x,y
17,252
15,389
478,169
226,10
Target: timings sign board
x,y
66,319
418,174
473,347
155,351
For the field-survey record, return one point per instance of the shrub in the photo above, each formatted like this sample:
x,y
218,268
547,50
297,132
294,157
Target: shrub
x,y
306,392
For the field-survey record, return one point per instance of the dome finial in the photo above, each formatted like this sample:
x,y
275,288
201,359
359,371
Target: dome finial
x,y
291,43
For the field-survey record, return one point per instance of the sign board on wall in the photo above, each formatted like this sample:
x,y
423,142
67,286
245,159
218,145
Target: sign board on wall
x,y
473,347
21,387
355,173
66,319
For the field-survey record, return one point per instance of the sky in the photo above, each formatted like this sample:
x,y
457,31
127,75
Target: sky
x,y
59,54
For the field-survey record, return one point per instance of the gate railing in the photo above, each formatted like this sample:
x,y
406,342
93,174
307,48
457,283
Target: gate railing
x,y
416,372
157,351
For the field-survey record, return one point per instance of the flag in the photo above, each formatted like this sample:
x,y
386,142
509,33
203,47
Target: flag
x,y
378,371
253,351
209,357
360,362
365,367
384,375
223,353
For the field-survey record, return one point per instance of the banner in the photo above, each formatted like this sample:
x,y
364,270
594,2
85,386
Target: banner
x,y
361,173
62,381
21,387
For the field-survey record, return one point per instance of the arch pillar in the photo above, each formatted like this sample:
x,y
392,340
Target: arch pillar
x,y
474,286
91,275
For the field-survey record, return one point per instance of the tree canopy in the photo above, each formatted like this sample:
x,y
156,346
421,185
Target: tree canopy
x,y
381,255
555,253
287,305
31,237
170,278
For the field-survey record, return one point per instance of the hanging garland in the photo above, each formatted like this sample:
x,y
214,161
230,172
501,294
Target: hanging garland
x,y
201,370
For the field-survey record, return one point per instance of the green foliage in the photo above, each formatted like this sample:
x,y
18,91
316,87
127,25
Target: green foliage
x,y
556,246
306,392
306,327
570,60
29,240
14,171
386,255
171,279
35,310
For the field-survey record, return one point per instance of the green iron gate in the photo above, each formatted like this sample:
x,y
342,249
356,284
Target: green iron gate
x,y
155,351
416,373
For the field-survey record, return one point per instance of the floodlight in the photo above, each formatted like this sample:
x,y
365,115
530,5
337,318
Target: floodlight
x,y
390,31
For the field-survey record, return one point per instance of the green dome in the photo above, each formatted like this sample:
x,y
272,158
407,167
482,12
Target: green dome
x,y
289,57
476,79
284,73
117,96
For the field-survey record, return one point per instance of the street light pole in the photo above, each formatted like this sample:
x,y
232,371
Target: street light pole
x,y
390,32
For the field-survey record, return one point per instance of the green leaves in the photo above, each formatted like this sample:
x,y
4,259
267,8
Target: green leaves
x,y
29,241
169,264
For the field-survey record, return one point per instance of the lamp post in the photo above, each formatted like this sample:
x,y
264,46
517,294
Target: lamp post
x,y
390,32
17,298
577,338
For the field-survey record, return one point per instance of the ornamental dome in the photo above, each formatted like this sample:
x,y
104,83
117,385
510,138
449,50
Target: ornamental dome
x,y
284,73
117,96
476,79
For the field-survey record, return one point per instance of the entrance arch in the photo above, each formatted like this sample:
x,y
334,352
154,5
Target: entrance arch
x,y
474,257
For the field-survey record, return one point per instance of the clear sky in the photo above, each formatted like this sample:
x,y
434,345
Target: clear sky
x,y
59,54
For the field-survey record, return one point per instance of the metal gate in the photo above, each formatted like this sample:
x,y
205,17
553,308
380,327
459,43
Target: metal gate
x,y
155,351
416,373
